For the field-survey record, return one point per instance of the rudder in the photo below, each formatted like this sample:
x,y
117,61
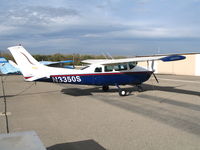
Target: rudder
x,y
26,63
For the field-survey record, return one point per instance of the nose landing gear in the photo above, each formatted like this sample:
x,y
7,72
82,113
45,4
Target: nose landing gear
x,y
140,88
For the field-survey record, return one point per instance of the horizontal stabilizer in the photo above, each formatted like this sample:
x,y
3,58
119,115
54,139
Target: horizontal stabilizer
x,y
49,63
34,78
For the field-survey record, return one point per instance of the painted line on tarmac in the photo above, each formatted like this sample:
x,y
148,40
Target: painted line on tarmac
x,y
187,81
3,113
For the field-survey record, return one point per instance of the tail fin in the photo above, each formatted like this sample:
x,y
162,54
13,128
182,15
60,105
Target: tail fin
x,y
27,64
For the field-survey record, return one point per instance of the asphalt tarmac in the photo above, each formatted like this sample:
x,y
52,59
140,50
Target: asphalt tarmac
x,y
165,116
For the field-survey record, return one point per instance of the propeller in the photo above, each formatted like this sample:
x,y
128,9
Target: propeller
x,y
155,77
152,67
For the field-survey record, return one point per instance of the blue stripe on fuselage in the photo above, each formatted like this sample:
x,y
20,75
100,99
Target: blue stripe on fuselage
x,y
121,78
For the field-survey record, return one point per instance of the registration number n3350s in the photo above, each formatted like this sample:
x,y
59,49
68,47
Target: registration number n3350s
x,y
66,79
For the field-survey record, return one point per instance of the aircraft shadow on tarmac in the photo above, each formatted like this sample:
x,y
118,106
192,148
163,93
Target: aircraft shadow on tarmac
x,y
35,93
84,92
80,145
90,91
146,87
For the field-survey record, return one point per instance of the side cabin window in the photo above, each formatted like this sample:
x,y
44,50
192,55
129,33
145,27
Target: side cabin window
x,y
132,65
108,68
98,69
117,67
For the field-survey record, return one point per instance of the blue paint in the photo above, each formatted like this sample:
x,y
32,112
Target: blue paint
x,y
173,58
103,79
7,68
55,62
3,60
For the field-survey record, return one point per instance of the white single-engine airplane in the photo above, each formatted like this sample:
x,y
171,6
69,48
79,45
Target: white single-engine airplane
x,y
102,72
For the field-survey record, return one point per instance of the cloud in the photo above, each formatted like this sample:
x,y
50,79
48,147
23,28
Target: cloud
x,y
34,22
37,15
95,25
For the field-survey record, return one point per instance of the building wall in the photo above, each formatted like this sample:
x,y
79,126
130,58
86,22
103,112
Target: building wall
x,y
188,66
182,67
197,65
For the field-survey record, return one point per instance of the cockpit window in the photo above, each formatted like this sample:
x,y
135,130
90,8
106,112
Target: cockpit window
x,y
132,64
120,67
98,69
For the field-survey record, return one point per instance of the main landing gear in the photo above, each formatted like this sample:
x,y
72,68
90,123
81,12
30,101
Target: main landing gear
x,y
122,92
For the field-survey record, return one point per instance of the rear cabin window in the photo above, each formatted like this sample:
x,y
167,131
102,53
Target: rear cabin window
x,y
98,69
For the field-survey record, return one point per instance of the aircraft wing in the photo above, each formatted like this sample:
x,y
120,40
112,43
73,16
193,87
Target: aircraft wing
x,y
3,60
8,67
135,59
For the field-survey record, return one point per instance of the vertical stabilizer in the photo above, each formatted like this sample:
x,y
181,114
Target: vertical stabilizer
x,y
28,65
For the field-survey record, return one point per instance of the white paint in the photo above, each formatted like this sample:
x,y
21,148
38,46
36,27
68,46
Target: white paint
x,y
123,92
186,81
197,65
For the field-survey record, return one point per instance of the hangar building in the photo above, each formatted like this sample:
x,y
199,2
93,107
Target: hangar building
x,y
188,66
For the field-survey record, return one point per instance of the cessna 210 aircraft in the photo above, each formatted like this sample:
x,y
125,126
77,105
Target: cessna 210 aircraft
x,y
101,72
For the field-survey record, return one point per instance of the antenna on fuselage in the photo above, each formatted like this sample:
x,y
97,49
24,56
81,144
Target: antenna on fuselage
x,y
108,54
158,50
104,55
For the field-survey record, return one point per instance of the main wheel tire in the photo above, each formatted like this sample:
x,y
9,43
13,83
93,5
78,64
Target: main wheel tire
x,y
105,88
122,92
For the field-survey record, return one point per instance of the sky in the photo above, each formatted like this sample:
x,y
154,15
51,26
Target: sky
x,y
115,27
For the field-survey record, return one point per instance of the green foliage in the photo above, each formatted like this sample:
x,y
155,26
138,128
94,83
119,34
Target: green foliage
x,y
6,55
77,58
